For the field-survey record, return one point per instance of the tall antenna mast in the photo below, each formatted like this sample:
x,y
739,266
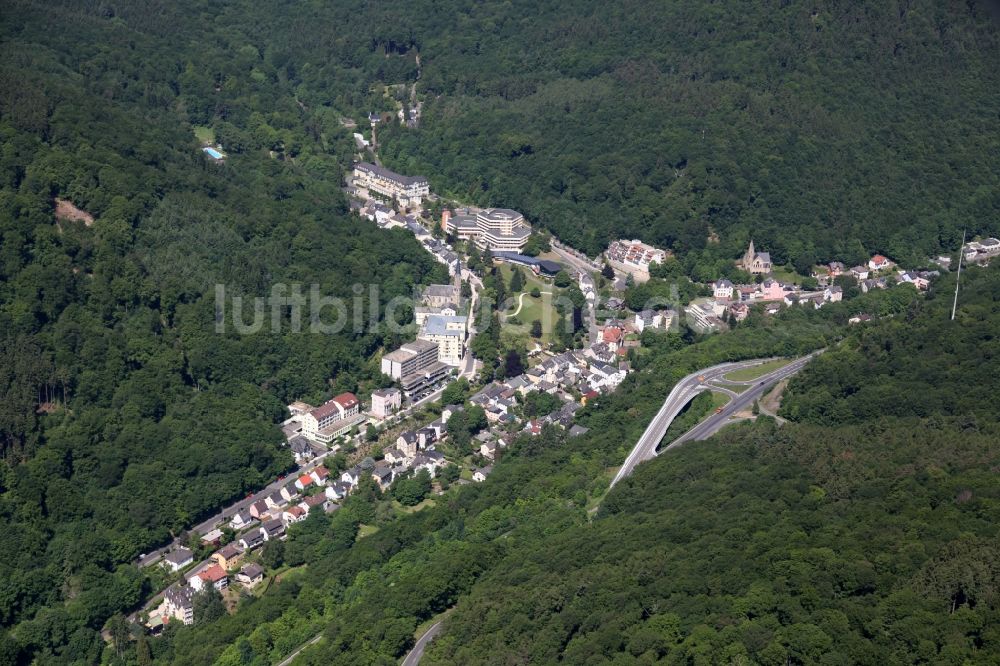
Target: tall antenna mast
x,y
958,278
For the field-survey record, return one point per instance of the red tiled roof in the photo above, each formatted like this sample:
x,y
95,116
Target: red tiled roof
x,y
612,334
295,511
305,479
342,402
321,472
346,400
212,574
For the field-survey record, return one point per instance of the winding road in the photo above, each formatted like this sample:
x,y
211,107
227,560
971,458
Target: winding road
x,y
413,656
686,389
225,514
290,658
588,267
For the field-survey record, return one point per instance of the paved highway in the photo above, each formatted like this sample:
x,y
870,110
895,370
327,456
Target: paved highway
x,y
290,658
413,657
685,390
740,401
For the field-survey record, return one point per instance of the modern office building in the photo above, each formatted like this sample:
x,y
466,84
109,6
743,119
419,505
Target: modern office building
x,y
448,333
415,366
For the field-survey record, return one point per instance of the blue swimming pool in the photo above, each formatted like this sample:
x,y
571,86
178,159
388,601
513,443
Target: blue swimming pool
x,y
213,153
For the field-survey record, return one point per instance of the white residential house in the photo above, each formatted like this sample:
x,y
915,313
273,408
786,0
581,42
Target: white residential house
x,y
293,514
488,450
645,319
915,279
394,456
879,262
351,476
337,490
722,289
604,375
274,500
449,411
253,539
213,575
431,461
273,529
177,559
250,575
241,519
289,492
833,294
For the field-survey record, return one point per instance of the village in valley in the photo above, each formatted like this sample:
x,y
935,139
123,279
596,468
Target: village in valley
x,y
439,415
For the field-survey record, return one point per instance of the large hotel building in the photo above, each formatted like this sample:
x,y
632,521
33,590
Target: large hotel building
x,y
408,190
491,229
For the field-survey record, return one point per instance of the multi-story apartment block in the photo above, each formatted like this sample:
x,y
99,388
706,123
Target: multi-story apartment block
x,y
179,603
501,229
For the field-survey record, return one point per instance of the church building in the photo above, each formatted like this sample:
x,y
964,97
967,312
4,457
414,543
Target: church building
x,y
756,262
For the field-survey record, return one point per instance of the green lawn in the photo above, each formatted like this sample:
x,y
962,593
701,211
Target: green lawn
x,y
204,134
749,374
786,274
533,308
365,530
413,509
719,399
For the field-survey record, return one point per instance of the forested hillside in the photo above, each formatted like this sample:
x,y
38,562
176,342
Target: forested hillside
x,y
825,131
870,541
124,416
917,363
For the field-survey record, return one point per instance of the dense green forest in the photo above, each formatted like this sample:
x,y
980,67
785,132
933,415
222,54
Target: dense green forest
x,y
824,131
124,416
